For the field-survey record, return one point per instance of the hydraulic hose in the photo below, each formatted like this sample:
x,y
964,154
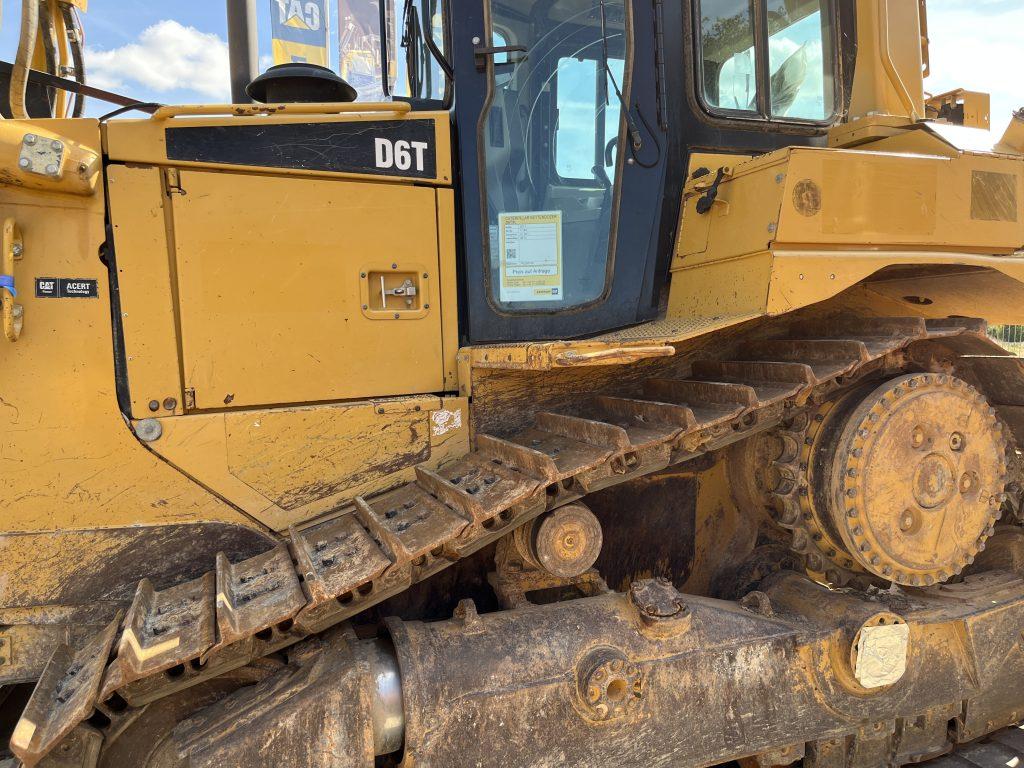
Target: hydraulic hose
x,y
76,35
23,60
51,54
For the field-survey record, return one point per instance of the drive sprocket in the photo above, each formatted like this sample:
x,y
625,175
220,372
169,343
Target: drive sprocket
x,y
904,481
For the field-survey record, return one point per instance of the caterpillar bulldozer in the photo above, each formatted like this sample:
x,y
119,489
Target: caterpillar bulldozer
x,y
599,383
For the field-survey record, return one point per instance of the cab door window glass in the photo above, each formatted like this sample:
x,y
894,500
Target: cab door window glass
x,y
798,48
550,139
587,132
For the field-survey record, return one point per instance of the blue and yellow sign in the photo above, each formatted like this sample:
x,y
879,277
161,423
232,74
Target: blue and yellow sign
x,y
300,31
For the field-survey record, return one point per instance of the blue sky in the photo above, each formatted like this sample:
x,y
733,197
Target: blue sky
x,y
175,50
171,51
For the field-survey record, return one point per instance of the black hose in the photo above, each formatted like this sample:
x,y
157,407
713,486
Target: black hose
x,y
50,51
76,41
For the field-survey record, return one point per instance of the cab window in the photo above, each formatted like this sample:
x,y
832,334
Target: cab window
x,y
797,44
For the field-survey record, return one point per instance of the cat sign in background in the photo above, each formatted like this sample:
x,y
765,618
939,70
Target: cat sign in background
x,y
300,31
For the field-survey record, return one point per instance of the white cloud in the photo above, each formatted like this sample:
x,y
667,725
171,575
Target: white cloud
x,y
168,56
977,45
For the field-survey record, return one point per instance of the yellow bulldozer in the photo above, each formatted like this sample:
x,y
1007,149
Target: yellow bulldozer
x,y
621,387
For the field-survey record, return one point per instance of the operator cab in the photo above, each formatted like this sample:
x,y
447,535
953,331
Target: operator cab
x,y
574,123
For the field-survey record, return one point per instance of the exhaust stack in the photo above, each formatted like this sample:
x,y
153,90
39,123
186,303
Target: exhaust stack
x,y
242,47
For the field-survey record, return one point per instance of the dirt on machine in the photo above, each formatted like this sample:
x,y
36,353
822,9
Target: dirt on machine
x,y
566,382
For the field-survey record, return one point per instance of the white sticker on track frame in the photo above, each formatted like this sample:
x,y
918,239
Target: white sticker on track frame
x,y
444,422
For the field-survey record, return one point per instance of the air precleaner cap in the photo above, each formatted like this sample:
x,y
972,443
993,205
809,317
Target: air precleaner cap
x,y
300,83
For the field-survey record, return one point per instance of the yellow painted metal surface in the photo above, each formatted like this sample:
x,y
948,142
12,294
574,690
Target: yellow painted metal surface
x,y
77,171
847,198
146,277
801,225
803,278
272,277
145,141
889,79
1012,140
250,289
750,193
448,287
977,107
956,291
67,458
288,465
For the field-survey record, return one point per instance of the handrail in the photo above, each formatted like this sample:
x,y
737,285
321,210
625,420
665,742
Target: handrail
x,y
250,110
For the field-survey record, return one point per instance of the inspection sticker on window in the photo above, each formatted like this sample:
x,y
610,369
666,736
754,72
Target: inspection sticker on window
x,y
531,256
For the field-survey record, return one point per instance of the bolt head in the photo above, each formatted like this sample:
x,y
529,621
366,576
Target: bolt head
x,y
57,146
24,162
30,139
149,430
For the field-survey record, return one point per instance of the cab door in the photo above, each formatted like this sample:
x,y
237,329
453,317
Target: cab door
x,y
563,159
